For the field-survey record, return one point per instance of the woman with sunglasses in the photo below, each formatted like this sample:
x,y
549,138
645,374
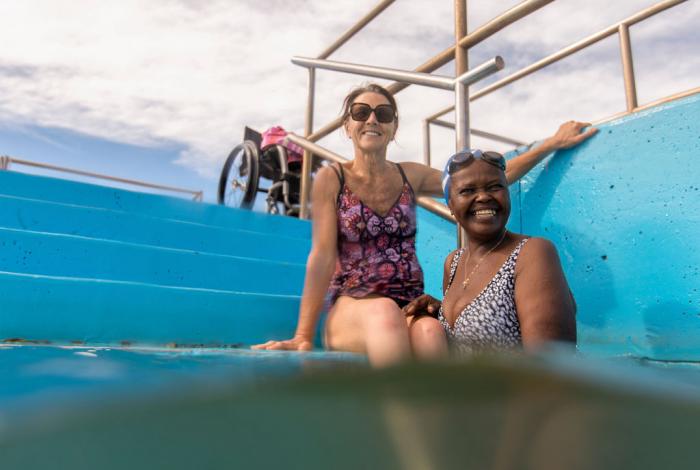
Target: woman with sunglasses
x,y
503,290
363,257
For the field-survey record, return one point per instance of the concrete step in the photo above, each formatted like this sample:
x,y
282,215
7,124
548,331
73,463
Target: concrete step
x,y
50,254
67,310
109,224
70,192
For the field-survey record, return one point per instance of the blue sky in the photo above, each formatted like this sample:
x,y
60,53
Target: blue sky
x,y
67,148
161,91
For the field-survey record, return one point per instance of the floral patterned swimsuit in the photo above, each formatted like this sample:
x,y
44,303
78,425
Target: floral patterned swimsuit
x,y
376,254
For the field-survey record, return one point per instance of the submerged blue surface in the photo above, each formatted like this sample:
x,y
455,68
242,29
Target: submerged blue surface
x,y
83,408
40,377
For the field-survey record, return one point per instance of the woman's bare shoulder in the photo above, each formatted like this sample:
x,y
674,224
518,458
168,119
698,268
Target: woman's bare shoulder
x,y
450,257
327,179
539,251
415,168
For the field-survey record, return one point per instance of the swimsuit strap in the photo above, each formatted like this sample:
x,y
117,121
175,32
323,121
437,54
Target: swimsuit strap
x,y
341,179
453,268
340,174
403,176
455,260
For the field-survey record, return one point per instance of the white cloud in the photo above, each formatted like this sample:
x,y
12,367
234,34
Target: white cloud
x,y
195,73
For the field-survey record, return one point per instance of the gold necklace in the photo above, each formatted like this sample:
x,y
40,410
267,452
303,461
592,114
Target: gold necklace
x,y
467,277
444,306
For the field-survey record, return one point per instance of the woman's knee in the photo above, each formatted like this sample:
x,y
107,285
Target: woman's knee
x,y
426,327
384,314
428,338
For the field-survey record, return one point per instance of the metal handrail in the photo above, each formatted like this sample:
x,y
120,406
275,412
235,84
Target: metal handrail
x,y
621,28
651,104
364,21
477,132
579,45
508,17
6,160
459,84
426,202
463,41
416,78
475,37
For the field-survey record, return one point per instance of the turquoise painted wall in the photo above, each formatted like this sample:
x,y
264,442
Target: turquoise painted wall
x,y
624,212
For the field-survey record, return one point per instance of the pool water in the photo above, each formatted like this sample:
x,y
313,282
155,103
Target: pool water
x,y
237,408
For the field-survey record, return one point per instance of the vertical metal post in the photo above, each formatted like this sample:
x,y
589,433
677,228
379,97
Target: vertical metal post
x,y
426,142
461,66
4,162
461,117
628,67
308,156
461,90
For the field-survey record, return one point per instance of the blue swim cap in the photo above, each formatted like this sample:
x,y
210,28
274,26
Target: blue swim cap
x,y
492,158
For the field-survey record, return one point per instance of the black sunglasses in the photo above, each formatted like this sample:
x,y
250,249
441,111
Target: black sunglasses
x,y
460,159
361,111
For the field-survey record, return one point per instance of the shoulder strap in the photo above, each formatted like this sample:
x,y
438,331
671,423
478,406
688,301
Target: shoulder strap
x,y
513,258
341,179
339,173
516,250
453,268
405,180
403,175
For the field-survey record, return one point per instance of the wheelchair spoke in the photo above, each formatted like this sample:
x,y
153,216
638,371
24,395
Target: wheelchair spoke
x,y
238,182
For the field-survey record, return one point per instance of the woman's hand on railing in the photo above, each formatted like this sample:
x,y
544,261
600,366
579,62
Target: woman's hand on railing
x,y
298,343
423,305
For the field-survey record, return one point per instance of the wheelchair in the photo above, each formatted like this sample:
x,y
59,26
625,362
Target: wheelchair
x,y
247,164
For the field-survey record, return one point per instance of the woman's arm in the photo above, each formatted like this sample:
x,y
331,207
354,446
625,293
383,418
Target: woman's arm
x,y
427,304
320,264
568,135
427,181
543,300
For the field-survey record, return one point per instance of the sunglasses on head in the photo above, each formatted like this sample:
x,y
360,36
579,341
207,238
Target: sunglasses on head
x,y
460,159
384,112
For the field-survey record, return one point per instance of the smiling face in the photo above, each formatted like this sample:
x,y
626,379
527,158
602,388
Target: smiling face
x,y
480,200
370,136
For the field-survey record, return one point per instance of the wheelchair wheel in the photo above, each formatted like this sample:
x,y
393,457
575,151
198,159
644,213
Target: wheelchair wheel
x,y
238,183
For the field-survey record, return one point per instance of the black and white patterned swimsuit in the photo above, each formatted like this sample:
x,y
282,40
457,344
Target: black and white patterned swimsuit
x,y
490,321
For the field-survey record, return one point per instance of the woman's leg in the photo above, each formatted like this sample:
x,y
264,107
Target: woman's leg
x,y
428,339
375,326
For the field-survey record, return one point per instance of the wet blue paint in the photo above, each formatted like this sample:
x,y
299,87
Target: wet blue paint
x,y
55,377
